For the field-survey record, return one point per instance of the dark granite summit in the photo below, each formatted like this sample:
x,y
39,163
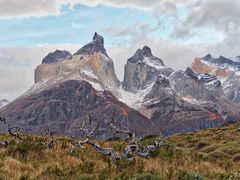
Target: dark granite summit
x,y
140,54
97,45
56,56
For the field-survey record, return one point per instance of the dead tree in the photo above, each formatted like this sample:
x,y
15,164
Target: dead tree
x,y
50,139
88,130
133,142
14,132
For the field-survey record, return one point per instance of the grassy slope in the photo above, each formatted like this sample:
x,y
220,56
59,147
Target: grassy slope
x,y
208,154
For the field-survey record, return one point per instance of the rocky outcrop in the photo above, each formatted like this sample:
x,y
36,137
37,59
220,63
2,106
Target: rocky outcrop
x,y
90,62
226,69
96,46
174,114
142,69
205,91
56,56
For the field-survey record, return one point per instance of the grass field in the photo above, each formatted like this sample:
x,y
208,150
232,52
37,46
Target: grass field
x,y
208,154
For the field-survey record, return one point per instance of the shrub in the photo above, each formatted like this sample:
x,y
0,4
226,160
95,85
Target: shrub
x,y
216,156
23,148
104,174
232,151
86,177
59,172
208,149
184,175
236,158
87,167
24,177
147,176
123,164
201,155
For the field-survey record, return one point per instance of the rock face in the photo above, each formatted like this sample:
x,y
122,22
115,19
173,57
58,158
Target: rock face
x,y
3,102
96,46
90,62
142,69
56,56
64,108
204,90
226,69
174,114
67,91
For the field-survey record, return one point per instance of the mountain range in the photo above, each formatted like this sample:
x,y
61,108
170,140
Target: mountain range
x,y
151,99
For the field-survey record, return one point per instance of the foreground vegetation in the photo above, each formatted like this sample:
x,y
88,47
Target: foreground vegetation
x,y
208,154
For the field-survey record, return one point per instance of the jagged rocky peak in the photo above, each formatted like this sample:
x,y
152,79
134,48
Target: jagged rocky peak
x,y
145,55
142,69
207,57
189,72
162,80
203,77
96,46
56,56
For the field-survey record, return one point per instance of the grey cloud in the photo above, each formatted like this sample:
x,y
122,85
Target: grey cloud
x,y
220,15
26,8
217,14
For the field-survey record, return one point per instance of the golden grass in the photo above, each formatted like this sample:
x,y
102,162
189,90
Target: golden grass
x,y
207,154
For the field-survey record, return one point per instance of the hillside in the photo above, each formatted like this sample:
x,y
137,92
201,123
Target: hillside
x,y
206,154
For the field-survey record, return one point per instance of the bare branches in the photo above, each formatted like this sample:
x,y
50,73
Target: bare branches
x,y
3,144
88,128
2,119
51,141
14,132
133,146
117,128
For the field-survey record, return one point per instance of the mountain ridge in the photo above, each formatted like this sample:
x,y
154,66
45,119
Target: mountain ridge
x,y
152,98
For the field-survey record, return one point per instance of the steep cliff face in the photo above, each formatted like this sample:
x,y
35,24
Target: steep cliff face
x,y
226,69
96,46
142,69
90,62
56,56
64,108
67,90
174,114
206,91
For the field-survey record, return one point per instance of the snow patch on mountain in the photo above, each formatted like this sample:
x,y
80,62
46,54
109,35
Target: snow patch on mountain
x,y
133,99
3,102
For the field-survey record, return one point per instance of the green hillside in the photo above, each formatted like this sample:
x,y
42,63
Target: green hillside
x,y
208,154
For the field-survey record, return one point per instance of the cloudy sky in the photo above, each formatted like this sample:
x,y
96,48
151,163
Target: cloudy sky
x,y
176,30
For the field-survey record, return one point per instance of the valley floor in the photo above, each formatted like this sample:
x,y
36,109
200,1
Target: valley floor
x,y
208,154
